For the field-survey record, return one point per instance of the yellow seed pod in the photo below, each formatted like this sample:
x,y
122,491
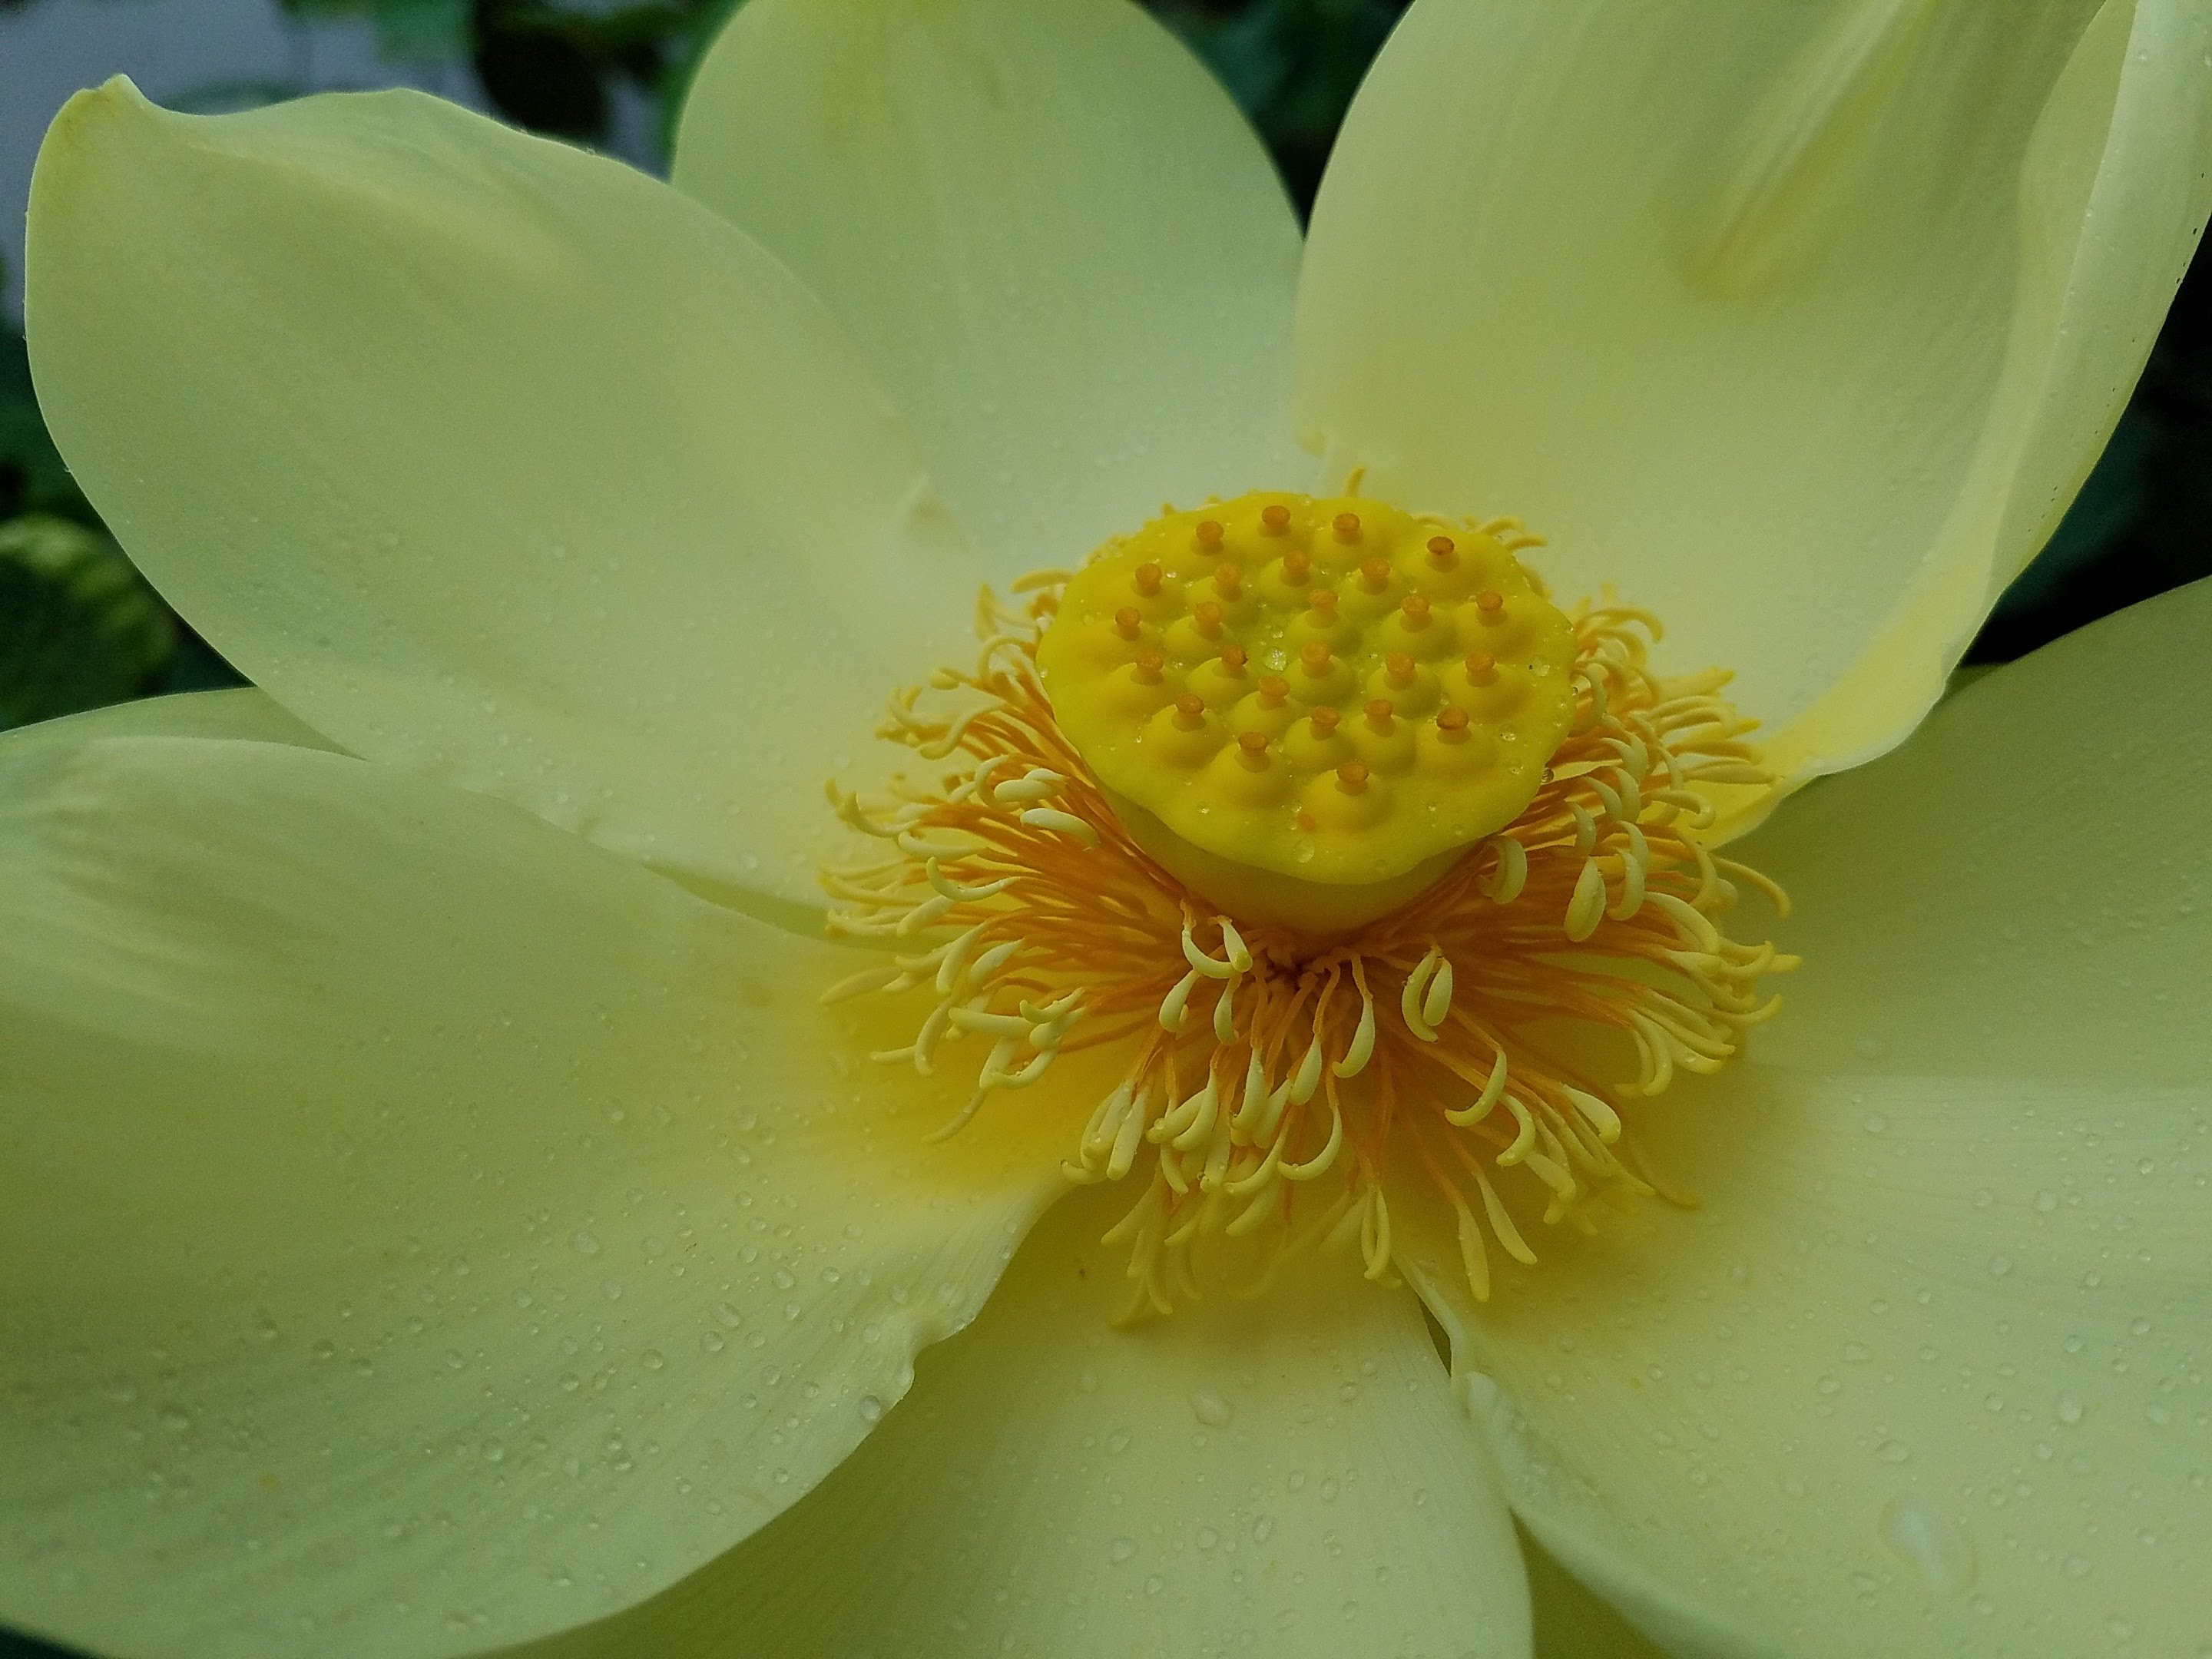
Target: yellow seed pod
x,y
1324,689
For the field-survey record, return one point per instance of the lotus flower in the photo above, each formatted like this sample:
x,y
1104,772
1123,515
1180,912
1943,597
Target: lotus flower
x,y
459,1192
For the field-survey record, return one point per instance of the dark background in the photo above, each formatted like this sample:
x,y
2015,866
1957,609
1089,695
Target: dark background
x,y
78,628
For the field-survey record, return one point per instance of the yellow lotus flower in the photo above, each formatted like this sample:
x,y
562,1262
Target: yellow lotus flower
x,y
439,1210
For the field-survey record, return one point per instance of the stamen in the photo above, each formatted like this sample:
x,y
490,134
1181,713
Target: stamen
x,y
1265,1072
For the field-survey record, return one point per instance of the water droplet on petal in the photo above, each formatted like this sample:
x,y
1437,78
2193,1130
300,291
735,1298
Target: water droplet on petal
x,y
1931,1541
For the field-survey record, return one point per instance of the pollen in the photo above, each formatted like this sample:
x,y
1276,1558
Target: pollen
x,y
1482,1046
1347,601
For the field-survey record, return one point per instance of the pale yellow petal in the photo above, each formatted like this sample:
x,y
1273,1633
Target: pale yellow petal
x,y
2115,190
2023,889
493,458
1798,322
240,712
1571,1622
1285,1476
1924,1374
1057,241
419,1229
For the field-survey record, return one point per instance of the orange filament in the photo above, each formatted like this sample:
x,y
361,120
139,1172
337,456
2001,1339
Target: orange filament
x,y
1285,1087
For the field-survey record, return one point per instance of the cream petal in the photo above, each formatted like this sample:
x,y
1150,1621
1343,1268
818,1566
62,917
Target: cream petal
x,y
1923,1375
2023,890
240,712
492,458
1928,1361
1059,243
419,1229
1286,1476
1801,324
1572,1623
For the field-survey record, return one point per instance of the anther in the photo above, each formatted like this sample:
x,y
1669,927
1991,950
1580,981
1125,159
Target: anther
x,y
1451,719
1209,534
1346,526
1442,553
1351,777
1492,603
1298,564
1313,657
1324,601
1228,581
1378,716
1275,519
1148,579
1233,659
1481,667
1208,615
1324,720
1190,708
1252,748
1415,609
1128,621
1149,664
1399,667
1273,688
1375,574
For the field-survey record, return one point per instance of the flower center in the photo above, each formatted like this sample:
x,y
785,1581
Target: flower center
x,y
1307,709
1439,912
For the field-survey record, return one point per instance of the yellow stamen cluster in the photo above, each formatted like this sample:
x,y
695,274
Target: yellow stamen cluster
x,y
1274,1078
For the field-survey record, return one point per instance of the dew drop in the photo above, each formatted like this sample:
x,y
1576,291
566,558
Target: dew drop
x,y
1210,1408
1122,1548
1931,1541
